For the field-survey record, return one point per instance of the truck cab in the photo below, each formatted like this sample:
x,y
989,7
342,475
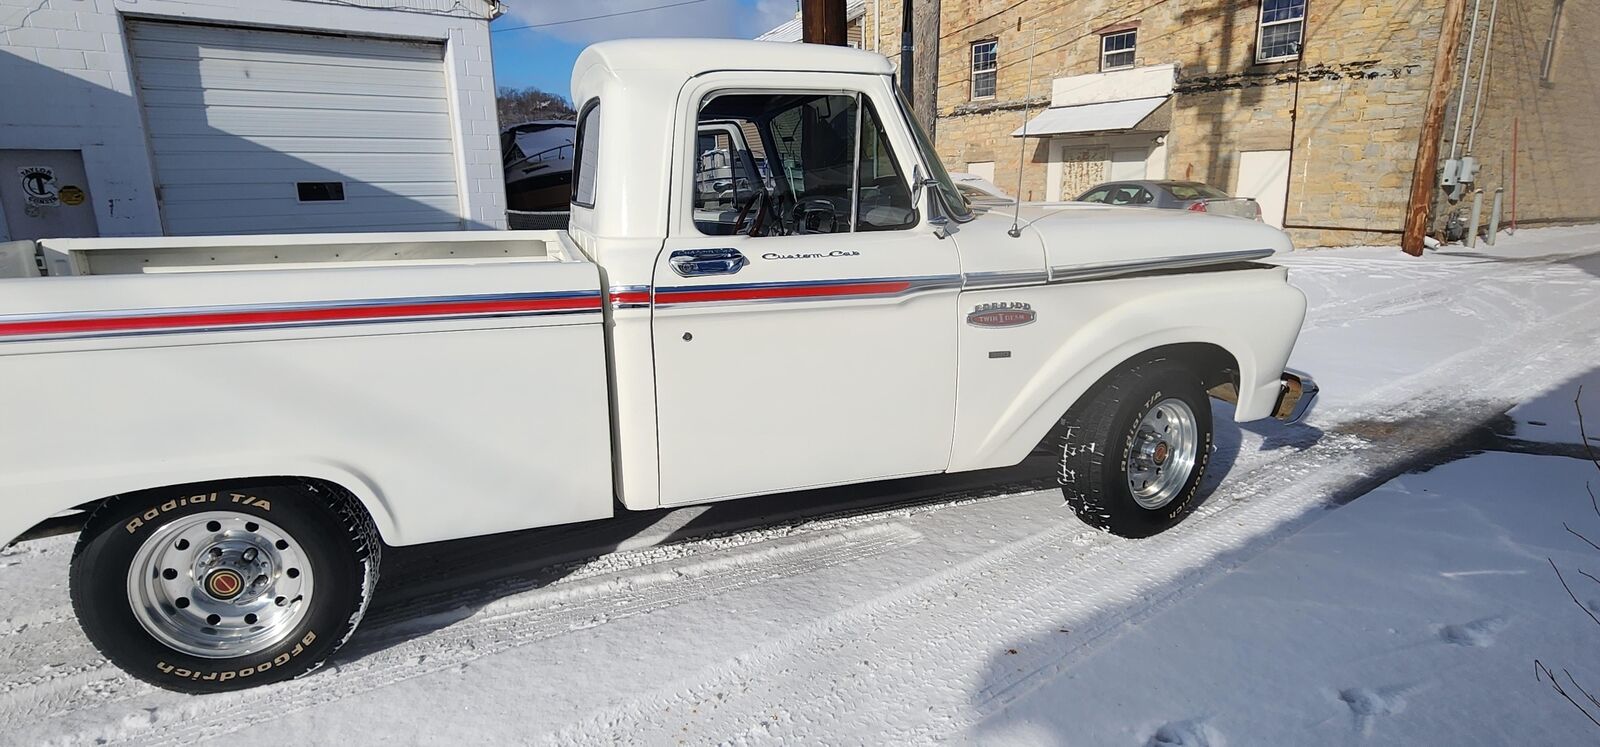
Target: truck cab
x,y
821,330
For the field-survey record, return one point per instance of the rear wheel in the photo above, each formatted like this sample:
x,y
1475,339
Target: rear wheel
x,y
1133,452
224,589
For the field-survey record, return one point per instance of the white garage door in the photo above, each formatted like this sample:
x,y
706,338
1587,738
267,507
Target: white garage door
x,y
275,132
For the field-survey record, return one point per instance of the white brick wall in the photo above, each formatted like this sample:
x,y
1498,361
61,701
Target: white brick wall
x,y
65,84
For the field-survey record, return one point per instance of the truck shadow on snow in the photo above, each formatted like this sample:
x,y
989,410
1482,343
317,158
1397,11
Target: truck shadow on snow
x,y
1044,665
431,587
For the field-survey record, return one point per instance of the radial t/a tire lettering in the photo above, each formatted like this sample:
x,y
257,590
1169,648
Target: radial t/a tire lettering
x,y
224,587
1132,454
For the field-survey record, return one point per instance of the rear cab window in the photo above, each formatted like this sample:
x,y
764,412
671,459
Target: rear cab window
x,y
588,149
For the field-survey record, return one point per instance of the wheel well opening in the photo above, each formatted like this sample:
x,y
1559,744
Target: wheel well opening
x,y
77,517
1217,368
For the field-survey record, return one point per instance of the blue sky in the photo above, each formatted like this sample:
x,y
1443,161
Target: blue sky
x,y
543,57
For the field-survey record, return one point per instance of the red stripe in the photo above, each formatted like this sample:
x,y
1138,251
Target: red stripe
x,y
294,316
631,297
879,288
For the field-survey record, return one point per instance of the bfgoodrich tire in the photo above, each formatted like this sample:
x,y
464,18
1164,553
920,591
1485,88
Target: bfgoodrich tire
x,y
1133,453
226,587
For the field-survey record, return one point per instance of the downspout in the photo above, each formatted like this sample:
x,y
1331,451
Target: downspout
x,y
877,24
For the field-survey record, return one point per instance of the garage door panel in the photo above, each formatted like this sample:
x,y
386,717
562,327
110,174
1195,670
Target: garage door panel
x,y
201,169
243,38
237,118
290,206
230,143
289,77
289,85
270,122
183,195
289,100
417,220
192,53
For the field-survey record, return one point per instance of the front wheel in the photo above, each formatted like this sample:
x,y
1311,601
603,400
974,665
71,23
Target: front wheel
x,y
224,589
1133,453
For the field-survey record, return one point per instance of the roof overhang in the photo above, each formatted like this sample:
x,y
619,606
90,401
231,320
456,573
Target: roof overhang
x,y
1106,116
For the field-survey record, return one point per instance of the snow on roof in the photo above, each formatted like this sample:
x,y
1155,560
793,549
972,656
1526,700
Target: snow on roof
x,y
686,58
790,31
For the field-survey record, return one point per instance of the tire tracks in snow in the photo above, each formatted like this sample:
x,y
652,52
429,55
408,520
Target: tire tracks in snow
x,y
1022,589
502,625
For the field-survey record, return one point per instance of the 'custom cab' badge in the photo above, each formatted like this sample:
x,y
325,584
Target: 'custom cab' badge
x,y
1006,314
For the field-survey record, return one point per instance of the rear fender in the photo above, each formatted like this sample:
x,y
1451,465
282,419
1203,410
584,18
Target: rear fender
x,y
29,499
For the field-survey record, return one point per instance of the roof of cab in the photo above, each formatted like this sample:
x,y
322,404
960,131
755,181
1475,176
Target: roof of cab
x,y
690,57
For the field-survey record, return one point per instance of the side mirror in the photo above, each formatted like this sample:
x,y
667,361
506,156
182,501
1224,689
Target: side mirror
x,y
932,202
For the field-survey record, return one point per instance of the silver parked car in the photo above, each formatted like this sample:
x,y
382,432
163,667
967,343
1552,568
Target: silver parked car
x,y
1173,195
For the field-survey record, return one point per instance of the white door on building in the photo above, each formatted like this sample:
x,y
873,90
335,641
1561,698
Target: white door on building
x,y
1264,177
982,170
1128,164
274,132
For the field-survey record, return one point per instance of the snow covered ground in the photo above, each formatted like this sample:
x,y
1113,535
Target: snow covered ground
x,y
1378,575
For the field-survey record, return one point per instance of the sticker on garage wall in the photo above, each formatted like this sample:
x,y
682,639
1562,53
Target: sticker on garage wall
x,y
39,185
72,196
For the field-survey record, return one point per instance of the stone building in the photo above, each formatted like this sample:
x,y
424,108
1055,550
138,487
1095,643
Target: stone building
x,y
1313,108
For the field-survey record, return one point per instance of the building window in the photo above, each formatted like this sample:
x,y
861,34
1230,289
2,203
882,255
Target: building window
x,y
1547,66
1116,49
1283,27
985,55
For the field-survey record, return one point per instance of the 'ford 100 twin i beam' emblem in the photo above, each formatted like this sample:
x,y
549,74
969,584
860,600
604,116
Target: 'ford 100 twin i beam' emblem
x,y
1004,314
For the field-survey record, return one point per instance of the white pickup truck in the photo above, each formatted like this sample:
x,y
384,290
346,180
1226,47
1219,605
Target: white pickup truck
x,y
238,425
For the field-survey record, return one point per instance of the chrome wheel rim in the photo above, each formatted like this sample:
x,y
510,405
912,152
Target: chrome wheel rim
x,y
1162,454
220,584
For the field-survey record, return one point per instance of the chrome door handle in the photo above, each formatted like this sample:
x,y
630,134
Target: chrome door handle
x,y
696,262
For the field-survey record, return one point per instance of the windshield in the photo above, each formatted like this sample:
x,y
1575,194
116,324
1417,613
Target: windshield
x,y
953,199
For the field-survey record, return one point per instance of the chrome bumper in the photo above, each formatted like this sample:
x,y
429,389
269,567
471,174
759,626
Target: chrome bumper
x,y
1298,394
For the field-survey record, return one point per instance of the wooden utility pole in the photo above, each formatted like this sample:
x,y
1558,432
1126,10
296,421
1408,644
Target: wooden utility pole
x,y
1422,175
822,22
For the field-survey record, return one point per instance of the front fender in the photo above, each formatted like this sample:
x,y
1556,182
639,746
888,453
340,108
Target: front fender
x,y
1255,316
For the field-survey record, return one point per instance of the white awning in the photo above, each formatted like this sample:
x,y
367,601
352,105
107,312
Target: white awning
x,y
1102,117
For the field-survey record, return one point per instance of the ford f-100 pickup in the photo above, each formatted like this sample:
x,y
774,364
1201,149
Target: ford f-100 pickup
x,y
238,425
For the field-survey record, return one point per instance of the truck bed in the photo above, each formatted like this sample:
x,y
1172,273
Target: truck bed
x,y
456,383
123,256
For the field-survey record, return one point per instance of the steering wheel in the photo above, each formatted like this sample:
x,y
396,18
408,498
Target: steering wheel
x,y
810,212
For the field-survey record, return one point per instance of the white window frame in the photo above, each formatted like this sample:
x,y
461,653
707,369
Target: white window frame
x,y
1133,51
993,70
1547,64
1262,24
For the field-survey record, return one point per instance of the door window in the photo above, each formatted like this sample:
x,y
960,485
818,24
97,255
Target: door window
x,y
826,167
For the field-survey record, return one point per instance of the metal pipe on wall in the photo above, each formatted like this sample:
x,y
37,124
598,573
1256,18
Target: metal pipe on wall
x,y
1461,103
1483,75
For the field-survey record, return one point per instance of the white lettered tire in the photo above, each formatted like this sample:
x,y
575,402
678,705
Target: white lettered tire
x,y
1133,453
224,587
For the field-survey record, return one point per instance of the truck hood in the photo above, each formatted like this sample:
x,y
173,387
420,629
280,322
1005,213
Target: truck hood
x,y
1079,234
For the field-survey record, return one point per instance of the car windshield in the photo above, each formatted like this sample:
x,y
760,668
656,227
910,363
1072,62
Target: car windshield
x,y
953,200
1195,191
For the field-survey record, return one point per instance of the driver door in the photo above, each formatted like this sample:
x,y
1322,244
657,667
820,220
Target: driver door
x,y
822,349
